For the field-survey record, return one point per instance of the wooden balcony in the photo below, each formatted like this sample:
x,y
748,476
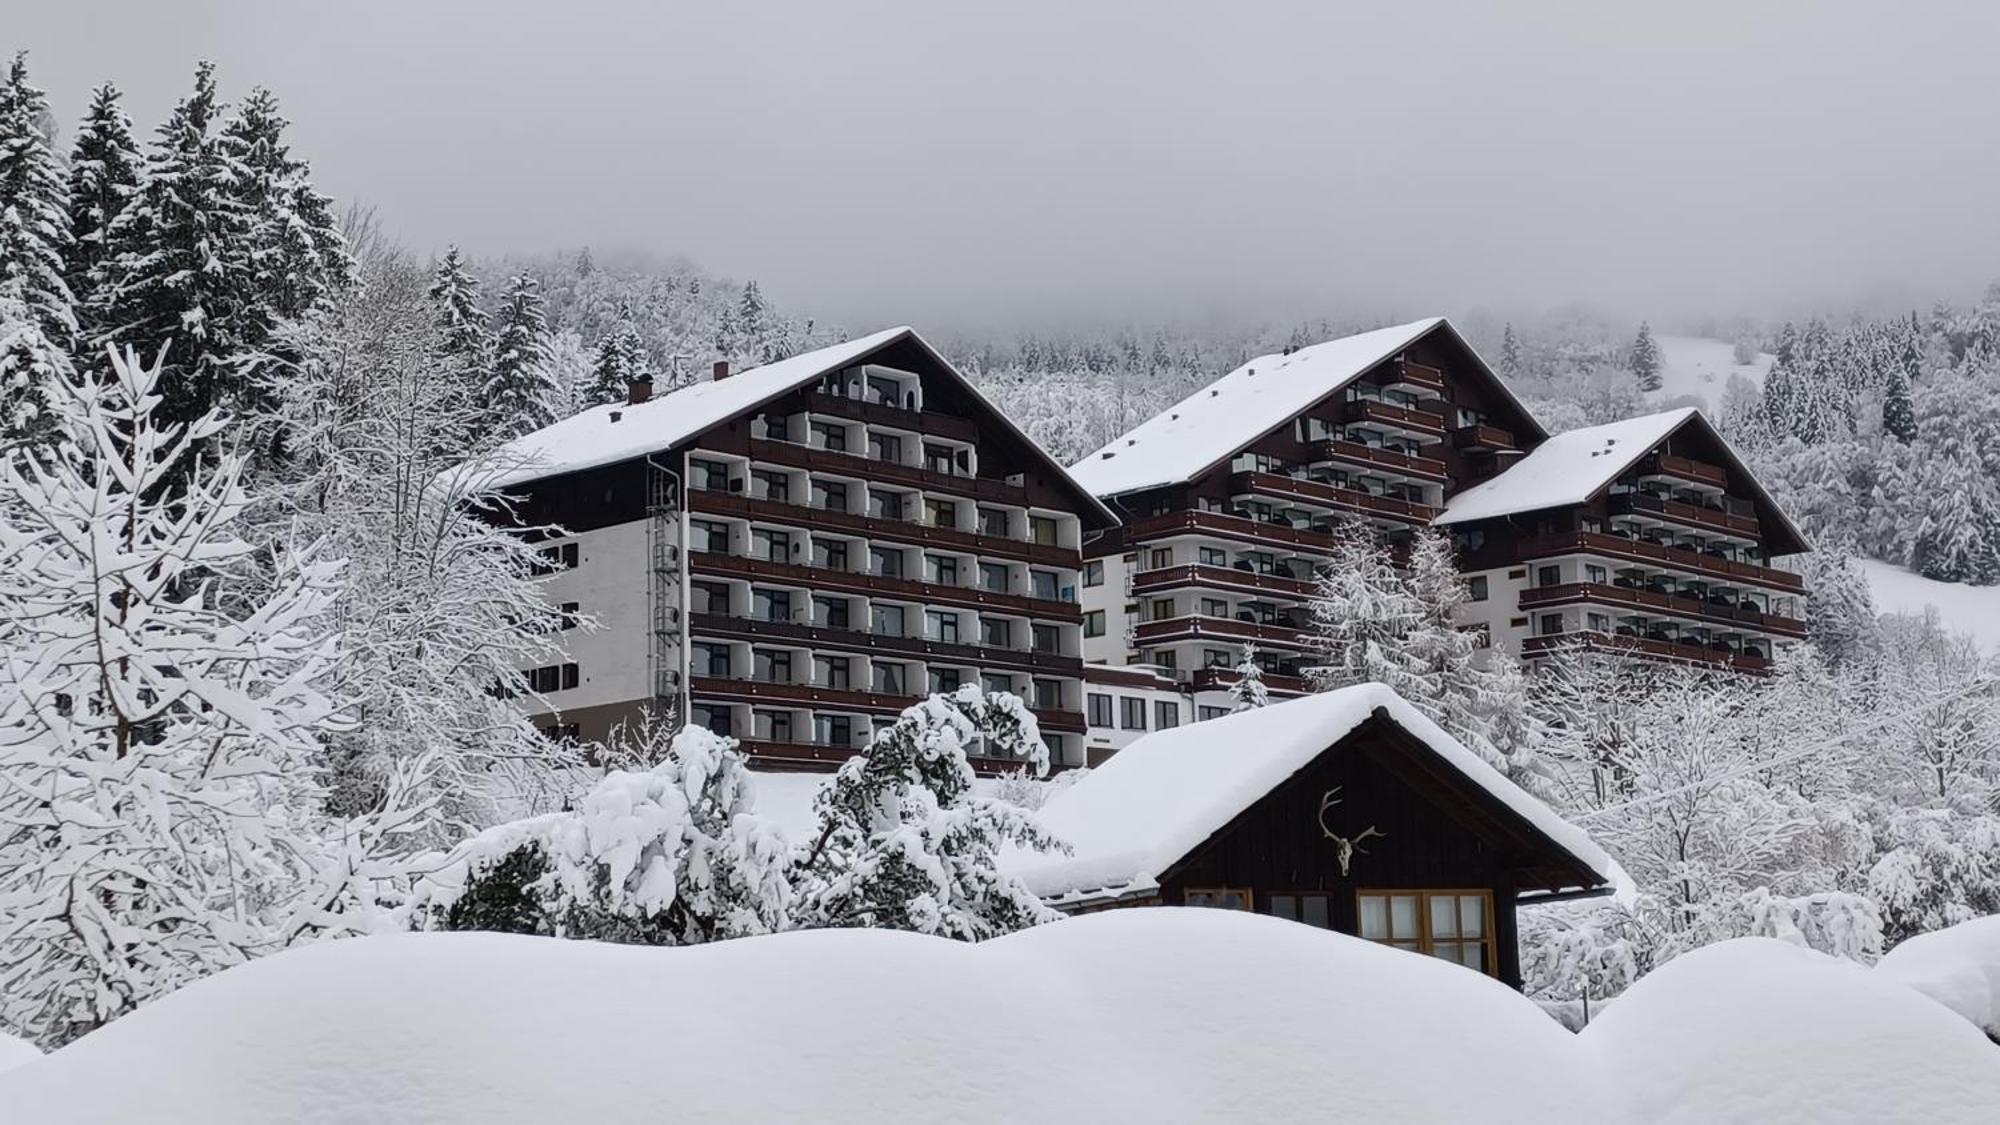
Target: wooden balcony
x,y
1673,558
1489,439
1367,410
1733,616
1687,515
878,585
872,643
1221,679
708,501
884,414
1222,525
1355,453
1687,469
1334,496
1220,578
1416,375
1218,628
888,472
1646,646
703,689
820,757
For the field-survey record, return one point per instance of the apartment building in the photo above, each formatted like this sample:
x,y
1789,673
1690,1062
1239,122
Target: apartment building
x,y
793,554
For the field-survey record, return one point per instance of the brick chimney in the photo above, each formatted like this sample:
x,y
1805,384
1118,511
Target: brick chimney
x,y
721,370
639,390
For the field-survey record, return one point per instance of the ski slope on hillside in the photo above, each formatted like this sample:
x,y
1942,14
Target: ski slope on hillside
x,y
1698,365
1961,608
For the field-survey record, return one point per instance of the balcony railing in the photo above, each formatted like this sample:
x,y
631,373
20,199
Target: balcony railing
x,y
1736,614
1688,469
883,527
830,578
1222,628
1355,453
1417,375
854,464
1221,679
870,641
1674,558
1227,526
1647,646
1174,577
1490,438
888,414
812,696
1692,515
767,754
1335,496
1383,414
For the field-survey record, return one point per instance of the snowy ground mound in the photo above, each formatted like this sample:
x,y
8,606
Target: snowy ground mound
x,y
1755,1030
1961,608
1958,967
14,1052
1153,1015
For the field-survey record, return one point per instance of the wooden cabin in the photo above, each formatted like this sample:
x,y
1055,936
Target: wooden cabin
x,y
1347,810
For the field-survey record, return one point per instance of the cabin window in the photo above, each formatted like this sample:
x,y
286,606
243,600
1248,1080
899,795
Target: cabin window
x,y
1219,898
1454,926
1311,909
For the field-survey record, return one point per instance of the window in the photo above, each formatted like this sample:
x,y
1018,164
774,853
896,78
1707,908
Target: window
x,y
833,730
1214,556
1214,607
716,719
1047,639
1043,584
1160,556
708,597
1093,623
997,682
775,546
773,486
1548,576
709,659
561,556
778,427
1093,573
708,476
993,521
771,605
941,513
938,459
1593,573
1552,624
944,681
1450,925
1522,573
993,577
889,679
885,447
996,632
708,535
1516,622
1164,657
1045,531
772,726
941,626
1217,658
1131,713
772,666
553,677
831,436
830,613
830,554
1312,909
1475,587
1100,709
1160,609
887,620
830,495
1217,898
886,505
885,561
1205,712
1048,695
1598,623
885,390
568,614
1166,714
941,569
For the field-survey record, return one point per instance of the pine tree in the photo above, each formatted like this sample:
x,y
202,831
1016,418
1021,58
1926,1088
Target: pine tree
x,y
621,361
104,168
30,366
1248,692
1510,353
1840,613
156,743
1899,417
298,258
1362,612
521,392
34,221
177,266
1645,361
467,341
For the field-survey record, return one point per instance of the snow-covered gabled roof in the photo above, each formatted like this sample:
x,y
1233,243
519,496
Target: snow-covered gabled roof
x,y
1569,468
1159,799
591,439
1216,422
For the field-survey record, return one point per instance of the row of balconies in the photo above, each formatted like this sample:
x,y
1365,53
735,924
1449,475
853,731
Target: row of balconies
x,y
1736,656
908,529
1711,609
813,697
863,640
807,577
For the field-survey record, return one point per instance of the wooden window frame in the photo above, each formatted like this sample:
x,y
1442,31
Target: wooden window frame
x,y
1426,943
1265,904
1249,896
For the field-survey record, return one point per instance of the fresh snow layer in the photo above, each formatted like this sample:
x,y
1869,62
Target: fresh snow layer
x,y
1700,365
1162,796
1569,468
591,438
1237,409
1755,1030
15,1052
1958,967
1961,608
1154,1015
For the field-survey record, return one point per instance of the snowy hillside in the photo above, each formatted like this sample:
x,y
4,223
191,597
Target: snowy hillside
x,y
1698,365
1097,1018
14,1052
1961,608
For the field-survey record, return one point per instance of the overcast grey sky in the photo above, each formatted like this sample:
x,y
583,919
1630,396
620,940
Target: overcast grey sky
x,y
952,164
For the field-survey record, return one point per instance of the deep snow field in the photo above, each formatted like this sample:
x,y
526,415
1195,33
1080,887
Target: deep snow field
x,y
1132,1015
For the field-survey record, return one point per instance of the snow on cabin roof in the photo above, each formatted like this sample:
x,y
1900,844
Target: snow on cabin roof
x,y
1161,797
1237,409
1569,468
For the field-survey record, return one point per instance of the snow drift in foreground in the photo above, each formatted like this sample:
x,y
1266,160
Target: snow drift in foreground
x,y
1958,967
1180,1015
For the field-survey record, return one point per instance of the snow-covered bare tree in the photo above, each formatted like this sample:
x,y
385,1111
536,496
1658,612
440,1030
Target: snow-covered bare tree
x,y
156,744
904,842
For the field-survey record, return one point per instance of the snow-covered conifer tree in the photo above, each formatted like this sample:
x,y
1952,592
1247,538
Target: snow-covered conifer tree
x,y
1645,359
1248,692
156,741
30,366
103,177
298,259
1510,353
468,341
34,222
621,361
571,370
521,392
1362,612
1899,417
905,843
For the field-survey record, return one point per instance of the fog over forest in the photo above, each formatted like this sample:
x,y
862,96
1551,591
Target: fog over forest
x,y
1059,165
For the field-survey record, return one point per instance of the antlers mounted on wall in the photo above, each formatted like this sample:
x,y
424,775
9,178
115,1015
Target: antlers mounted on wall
x,y
1343,847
